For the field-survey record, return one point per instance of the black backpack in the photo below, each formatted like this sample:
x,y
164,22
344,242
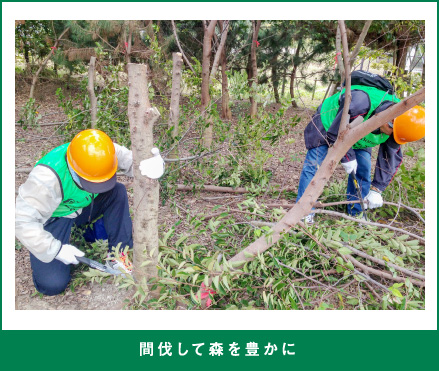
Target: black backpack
x,y
370,79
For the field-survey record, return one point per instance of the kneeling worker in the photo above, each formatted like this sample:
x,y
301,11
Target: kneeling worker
x,y
74,184
371,94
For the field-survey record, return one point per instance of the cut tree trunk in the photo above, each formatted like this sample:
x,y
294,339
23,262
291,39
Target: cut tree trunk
x,y
253,81
174,112
146,191
91,91
205,75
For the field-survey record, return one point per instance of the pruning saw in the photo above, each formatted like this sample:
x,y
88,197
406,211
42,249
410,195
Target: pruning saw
x,y
100,267
357,187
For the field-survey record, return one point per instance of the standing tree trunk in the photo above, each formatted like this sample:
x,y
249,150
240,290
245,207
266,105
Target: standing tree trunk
x,y
43,64
275,79
226,113
146,191
293,73
205,75
224,27
253,81
174,112
402,47
284,80
91,91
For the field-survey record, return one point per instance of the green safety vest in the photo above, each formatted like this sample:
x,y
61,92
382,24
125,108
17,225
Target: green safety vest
x,y
73,197
331,106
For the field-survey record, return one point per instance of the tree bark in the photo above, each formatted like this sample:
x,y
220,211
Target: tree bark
x,y
205,75
91,91
174,112
43,64
345,140
293,74
146,191
253,82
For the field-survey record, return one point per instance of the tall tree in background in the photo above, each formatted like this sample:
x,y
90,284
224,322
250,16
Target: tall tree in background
x,y
253,70
209,29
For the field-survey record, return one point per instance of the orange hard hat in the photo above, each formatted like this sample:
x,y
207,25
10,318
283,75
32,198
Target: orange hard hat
x,y
91,154
410,126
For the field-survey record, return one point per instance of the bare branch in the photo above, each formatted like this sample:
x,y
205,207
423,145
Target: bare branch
x,y
359,43
174,29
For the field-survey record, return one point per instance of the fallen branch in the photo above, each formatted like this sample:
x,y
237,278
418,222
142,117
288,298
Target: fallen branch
x,y
384,263
341,215
382,274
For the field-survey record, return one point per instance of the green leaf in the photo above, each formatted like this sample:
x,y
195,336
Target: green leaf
x,y
215,281
344,251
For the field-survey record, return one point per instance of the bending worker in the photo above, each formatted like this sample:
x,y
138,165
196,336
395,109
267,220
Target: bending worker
x,y
371,94
75,184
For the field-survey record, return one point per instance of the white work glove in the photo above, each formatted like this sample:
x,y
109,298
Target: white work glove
x,y
153,167
373,200
350,166
68,254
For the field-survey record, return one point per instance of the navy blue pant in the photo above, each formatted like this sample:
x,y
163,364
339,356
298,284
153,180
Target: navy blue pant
x,y
314,159
52,278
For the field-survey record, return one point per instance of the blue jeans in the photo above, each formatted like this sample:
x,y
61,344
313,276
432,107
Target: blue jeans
x,y
314,159
52,278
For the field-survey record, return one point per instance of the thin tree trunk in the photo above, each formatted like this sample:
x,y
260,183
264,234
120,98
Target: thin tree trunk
x,y
275,79
346,60
129,42
43,64
91,91
293,74
174,112
146,191
254,68
284,80
226,112
359,44
224,28
401,56
338,52
205,97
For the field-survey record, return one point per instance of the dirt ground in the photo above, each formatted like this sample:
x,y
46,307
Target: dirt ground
x,y
31,143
